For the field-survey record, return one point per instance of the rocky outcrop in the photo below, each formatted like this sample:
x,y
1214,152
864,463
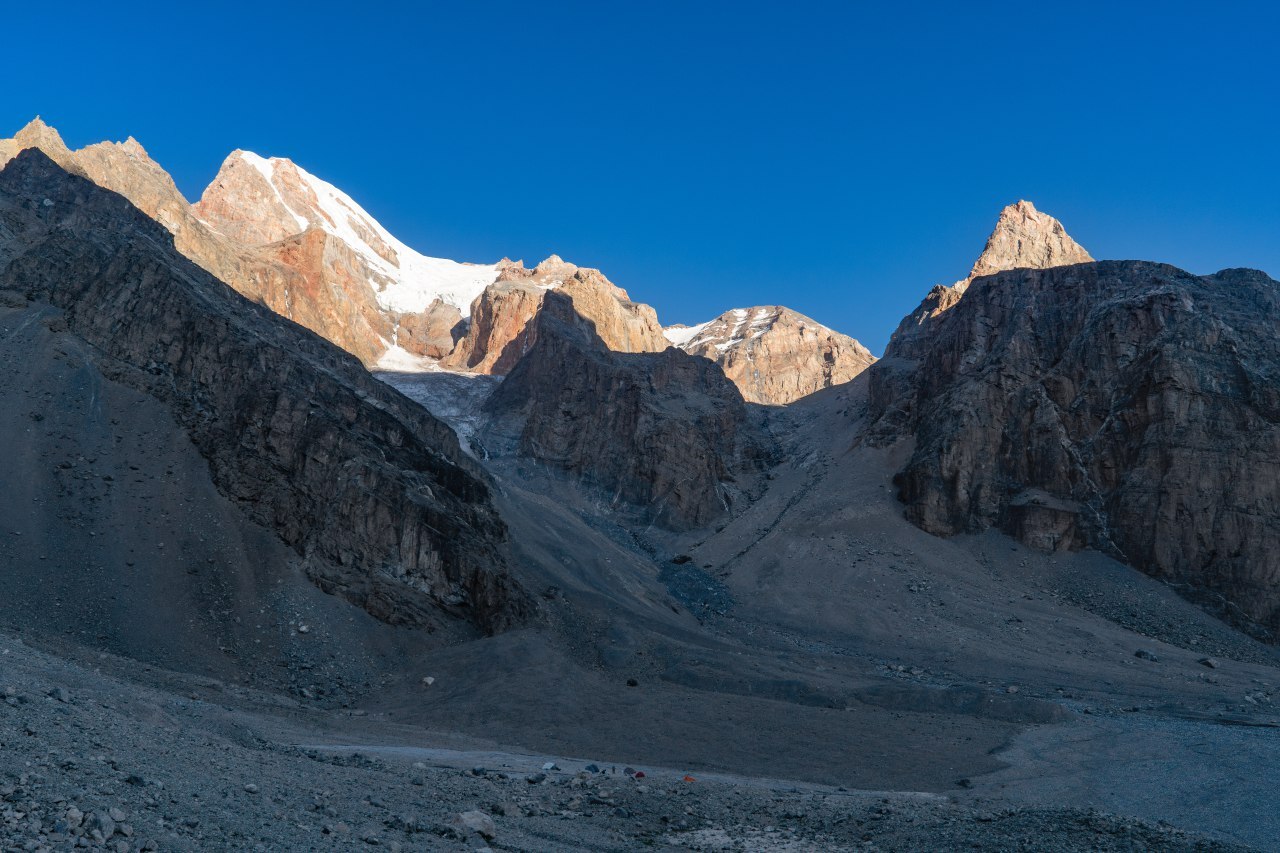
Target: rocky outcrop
x,y
432,333
774,355
1024,238
664,433
372,491
623,325
501,329
327,293
1127,406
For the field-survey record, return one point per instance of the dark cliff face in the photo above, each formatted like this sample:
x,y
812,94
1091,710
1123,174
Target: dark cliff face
x,y
368,487
1128,406
665,433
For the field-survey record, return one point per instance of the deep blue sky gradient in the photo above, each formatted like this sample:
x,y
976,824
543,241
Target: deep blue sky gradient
x,y
839,158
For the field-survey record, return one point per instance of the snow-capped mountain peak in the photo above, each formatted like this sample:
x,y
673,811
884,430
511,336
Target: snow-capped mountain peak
x,y
264,200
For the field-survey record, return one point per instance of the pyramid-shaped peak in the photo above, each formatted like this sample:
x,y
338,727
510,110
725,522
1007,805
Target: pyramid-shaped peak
x,y
134,147
35,126
1026,238
37,134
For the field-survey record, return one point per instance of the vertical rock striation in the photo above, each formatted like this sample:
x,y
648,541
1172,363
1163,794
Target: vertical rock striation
x,y
1127,406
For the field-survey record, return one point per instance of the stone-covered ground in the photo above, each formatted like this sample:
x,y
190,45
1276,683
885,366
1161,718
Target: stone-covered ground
x,y
92,760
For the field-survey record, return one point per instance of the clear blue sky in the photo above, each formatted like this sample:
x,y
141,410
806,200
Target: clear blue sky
x,y
838,158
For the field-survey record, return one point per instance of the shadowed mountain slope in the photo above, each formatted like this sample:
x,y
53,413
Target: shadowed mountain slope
x,y
370,490
1127,406
665,432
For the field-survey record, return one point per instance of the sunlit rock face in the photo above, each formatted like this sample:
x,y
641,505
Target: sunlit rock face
x,y
772,354
365,290
501,328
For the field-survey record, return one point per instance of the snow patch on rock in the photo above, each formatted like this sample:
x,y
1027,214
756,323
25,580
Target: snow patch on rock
x,y
681,335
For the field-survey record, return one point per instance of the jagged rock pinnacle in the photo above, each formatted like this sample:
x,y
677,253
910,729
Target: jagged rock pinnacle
x,y
1025,237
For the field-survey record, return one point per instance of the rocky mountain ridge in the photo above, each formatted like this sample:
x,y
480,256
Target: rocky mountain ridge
x,y
502,327
472,317
305,249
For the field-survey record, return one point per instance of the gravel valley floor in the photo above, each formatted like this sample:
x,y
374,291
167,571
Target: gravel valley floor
x,y
94,760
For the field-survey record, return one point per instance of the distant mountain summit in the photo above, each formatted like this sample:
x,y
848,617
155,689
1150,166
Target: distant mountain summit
x,y
773,354
1025,238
